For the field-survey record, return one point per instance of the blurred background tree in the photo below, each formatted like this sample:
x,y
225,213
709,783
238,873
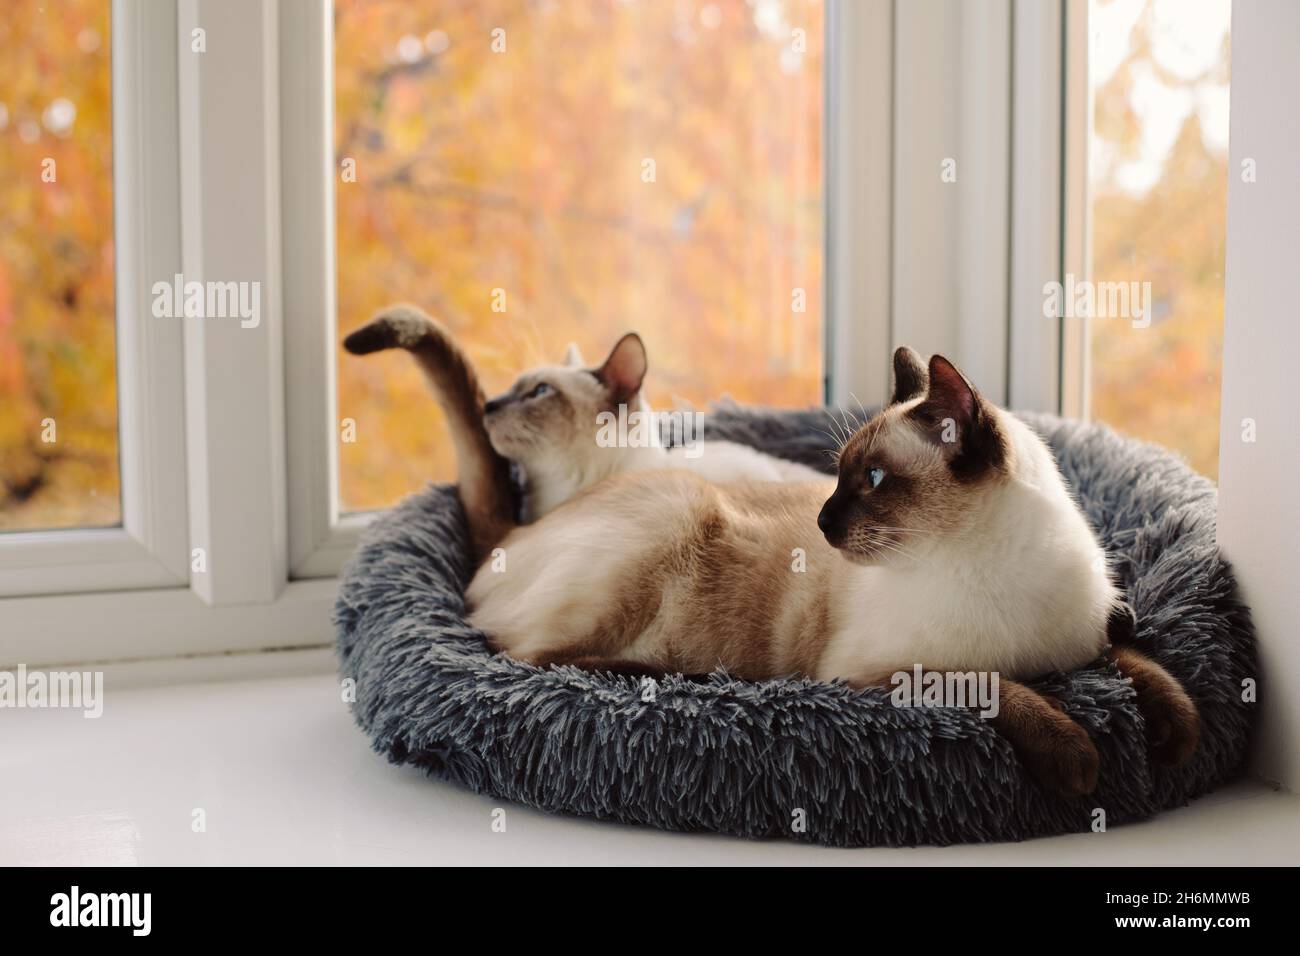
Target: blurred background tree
x,y
589,167
592,167
56,267
1159,214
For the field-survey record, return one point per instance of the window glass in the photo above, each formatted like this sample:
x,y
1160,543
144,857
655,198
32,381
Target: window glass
x,y
58,385
1159,186
536,174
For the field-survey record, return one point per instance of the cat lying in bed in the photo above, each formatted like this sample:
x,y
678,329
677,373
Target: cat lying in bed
x,y
948,540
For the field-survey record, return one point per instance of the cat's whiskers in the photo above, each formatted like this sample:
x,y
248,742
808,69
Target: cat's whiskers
x,y
895,548
839,438
860,408
849,428
835,438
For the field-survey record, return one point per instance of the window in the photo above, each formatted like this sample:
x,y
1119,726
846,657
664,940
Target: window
x,y
537,174
1159,180
541,174
58,377
92,445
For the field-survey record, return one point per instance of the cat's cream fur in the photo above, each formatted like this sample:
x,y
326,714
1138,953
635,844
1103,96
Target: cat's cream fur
x,y
548,421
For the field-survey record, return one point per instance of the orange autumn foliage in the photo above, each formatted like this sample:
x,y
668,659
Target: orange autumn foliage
x,y
521,178
616,165
1162,383
57,325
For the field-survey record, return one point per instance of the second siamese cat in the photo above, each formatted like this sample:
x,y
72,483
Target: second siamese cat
x,y
948,540
550,421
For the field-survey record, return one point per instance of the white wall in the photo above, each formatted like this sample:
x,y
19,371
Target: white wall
x,y
1259,483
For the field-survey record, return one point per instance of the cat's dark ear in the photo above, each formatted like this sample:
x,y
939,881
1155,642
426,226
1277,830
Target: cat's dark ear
x,y
950,393
959,421
910,375
624,369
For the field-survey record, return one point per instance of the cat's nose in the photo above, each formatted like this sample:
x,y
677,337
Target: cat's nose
x,y
831,520
825,520
492,404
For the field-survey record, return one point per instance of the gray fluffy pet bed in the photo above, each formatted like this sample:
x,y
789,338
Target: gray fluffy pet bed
x,y
740,757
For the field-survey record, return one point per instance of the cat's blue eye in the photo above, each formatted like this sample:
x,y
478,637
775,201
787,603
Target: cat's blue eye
x,y
539,390
876,476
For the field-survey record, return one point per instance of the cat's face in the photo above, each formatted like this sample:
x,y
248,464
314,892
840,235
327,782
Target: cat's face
x,y
550,413
920,471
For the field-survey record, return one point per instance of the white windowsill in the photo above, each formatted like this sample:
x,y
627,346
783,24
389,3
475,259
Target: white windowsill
x,y
284,776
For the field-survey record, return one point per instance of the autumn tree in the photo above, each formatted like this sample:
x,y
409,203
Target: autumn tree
x,y
58,398
540,173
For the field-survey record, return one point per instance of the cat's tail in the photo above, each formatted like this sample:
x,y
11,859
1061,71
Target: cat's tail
x,y
486,491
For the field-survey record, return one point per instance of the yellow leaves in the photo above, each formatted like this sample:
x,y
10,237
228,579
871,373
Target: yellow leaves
x,y
476,171
523,171
1161,383
56,268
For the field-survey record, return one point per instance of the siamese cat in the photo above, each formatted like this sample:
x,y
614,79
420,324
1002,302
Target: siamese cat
x,y
948,540
551,420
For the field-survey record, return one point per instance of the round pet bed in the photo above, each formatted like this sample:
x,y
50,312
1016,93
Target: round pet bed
x,y
791,757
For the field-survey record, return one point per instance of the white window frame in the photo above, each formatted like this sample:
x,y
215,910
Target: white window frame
x,y
1034,343
320,537
149,549
1050,228
1076,241
858,201
202,404
959,267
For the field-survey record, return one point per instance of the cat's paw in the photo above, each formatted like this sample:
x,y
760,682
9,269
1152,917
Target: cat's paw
x,y
1060,755
1173,724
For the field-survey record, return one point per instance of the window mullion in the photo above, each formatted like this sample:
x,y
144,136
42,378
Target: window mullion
x,y
147,240
1034,351
1077,241
857,199
307,164
234,375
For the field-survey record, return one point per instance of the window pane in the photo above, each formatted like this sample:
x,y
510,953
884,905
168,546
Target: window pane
x,y
1159,180
58,389
541,173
